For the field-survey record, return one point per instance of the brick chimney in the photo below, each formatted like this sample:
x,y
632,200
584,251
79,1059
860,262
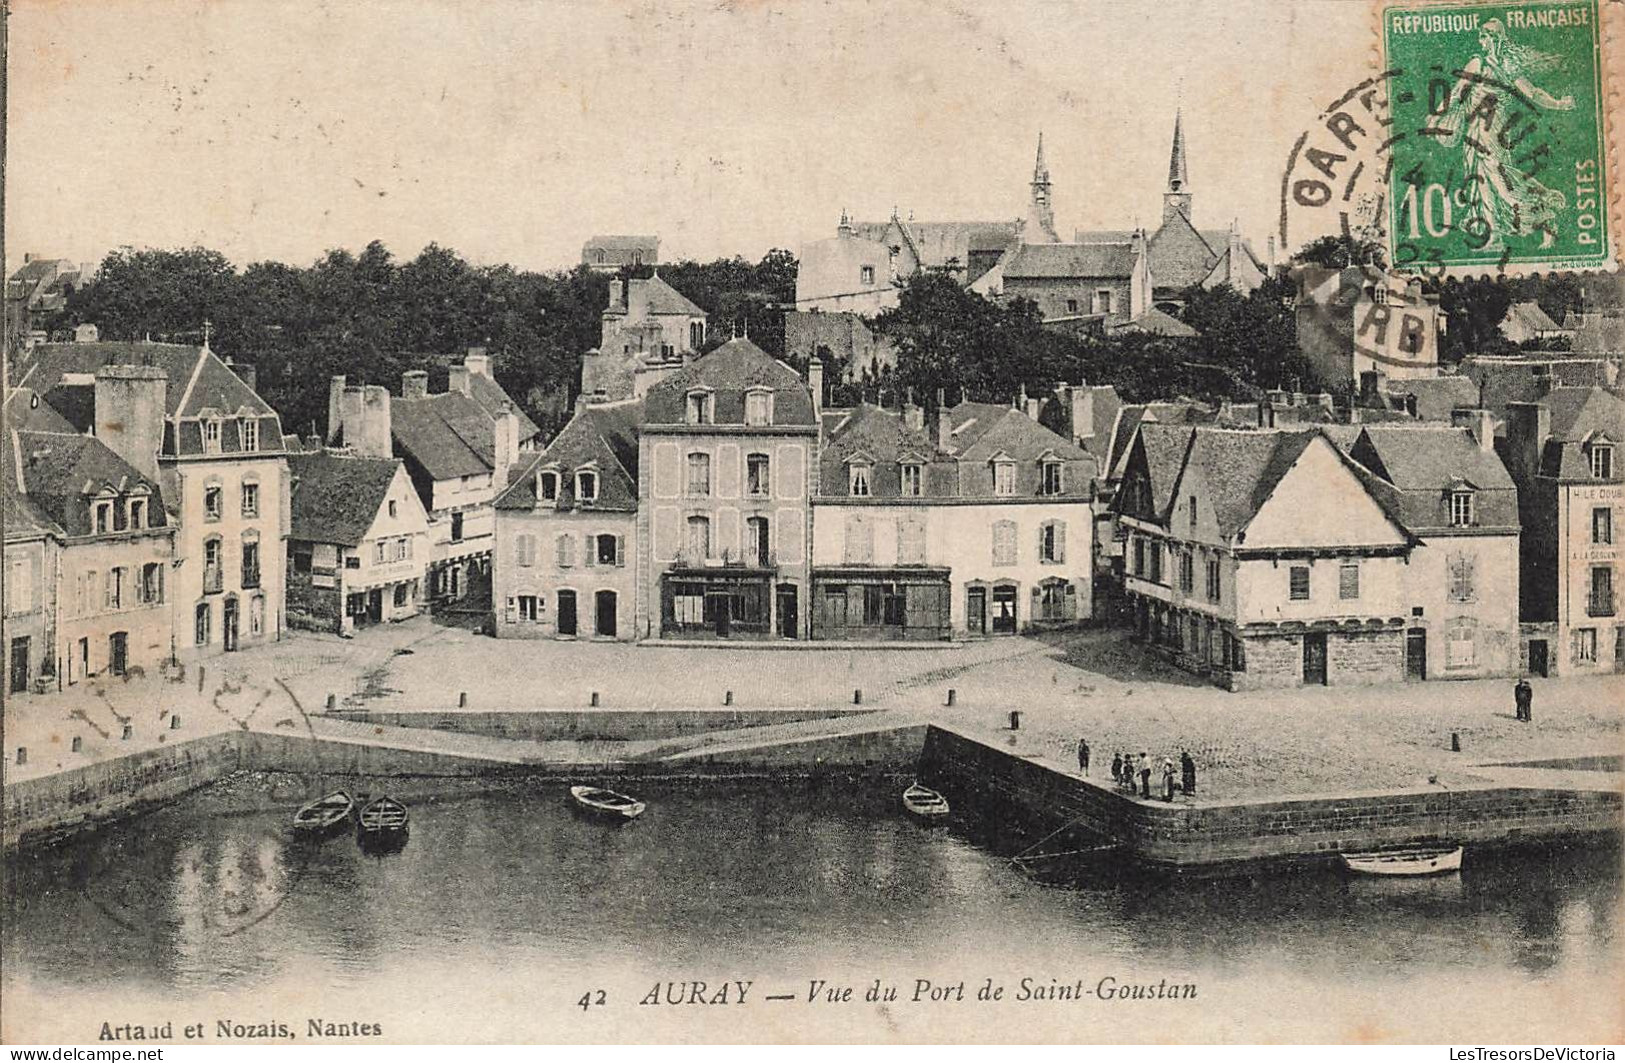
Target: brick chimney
x,y
335,409
1479,422
414,384
130,413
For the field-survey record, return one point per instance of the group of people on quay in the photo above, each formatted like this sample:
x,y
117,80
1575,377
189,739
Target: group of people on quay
x,y
1131,775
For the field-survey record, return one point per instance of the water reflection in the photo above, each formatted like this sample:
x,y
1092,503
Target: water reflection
x,y
751,880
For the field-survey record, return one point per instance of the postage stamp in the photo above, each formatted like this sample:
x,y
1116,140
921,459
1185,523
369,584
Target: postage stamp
x,y
1499,146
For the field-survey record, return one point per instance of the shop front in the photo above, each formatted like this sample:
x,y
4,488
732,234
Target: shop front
x,y
869,604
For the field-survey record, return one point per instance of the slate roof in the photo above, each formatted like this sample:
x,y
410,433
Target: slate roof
x,y
604,435
1532,317
1103,236
20,518
1070,260
729,371
935,243
1577,415
61,471
1435,396
337,496
884,438
1157,322
449,435
493,399
25,410
664,299
620,243
1597,333
1423,462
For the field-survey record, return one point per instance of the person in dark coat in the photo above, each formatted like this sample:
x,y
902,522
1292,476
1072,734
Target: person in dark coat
x,y
1187,772
1083,755
1524,696
1117,768
1128,770
1167,779
1145,778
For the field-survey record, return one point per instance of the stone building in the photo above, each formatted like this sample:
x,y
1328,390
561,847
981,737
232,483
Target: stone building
x,y
611,254
726,459
566,532
839,339
1564,453
1359,319
358,542
35,293
650,330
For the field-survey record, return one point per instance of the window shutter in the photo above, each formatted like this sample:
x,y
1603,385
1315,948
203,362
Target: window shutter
x,y
1060,540
592,551
158,587
620,551
107,590
561,546
1040,553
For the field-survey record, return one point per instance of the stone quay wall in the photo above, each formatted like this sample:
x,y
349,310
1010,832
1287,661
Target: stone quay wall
x,y
974,774
593,725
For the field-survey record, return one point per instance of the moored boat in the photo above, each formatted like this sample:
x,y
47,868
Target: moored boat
x,y
324,816
606,803
382,817
925,803
1435,860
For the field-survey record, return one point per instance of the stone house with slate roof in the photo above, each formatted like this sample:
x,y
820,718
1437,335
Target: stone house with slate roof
x,y
610,254
726,463
186,421
28,585
566,532
1564,452
981,528
40,287
358,543
650,330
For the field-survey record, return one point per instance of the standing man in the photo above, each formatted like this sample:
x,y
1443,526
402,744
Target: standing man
x,y
1117,768
1524,695
1145,776
1083,755
1187,772
1128,771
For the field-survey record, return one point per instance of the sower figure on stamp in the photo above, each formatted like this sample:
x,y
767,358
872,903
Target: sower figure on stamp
x,y
1524,696
1083,755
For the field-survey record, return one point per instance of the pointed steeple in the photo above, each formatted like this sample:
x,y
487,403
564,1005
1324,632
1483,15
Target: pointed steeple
x,y
1039,226
1177,199
1040,171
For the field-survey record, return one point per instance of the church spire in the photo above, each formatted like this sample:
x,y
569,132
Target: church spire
x,y
1177,199
1039,227
1040,171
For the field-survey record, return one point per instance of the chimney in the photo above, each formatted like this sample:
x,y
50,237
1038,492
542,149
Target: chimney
x,y
1371,387
1479,423
335,409
415,384
86,333
367,421
615,294
913,413
944,423
478,362
458,379
1543,380
130,413
1529,425
246,372
815,383
1276,397
506,451
1035,407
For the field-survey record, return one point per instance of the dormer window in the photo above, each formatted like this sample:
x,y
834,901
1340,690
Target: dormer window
x,y
700,409
104,517
586,486
211,436
251,434
1004,478
1461,509
138,514
1602,461
759,406
1051,481
858,478
547,486
909,479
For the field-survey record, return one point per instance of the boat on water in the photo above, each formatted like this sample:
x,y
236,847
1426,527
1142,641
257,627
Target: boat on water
x,y
597,801
324,816
382,818
925,803
1435,860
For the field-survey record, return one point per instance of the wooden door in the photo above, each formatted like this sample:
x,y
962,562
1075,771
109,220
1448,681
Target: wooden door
x,y
1314,659
606,614
567,612
1416,653
19,665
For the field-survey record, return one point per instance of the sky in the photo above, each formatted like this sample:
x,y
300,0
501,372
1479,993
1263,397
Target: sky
x,y
512,131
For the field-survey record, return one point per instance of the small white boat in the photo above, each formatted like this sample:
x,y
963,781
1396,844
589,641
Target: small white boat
x,y
606,803
1440,860
924,802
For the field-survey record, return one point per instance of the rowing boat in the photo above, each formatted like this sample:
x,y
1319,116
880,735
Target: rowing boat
x,y
1437,860
606,803
324,816
924,802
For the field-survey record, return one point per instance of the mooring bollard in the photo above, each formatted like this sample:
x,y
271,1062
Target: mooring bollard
x,y
200,671
128,731
1455,742
22,754
78,743
462,699
728,698
175,721
595,699
1015,719
953,695
857,696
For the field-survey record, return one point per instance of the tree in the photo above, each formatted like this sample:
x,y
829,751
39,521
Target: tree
x,y
1337,252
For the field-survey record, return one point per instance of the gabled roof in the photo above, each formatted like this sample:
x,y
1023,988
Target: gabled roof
x,y
604,436
337,496
664,299
20,518
1530,316
198,379
1012,435
1070,260
1156,322
1577,412
493,399
729,371
1435,396
449,434
1424,463
936,243
25,411
621,243
60,472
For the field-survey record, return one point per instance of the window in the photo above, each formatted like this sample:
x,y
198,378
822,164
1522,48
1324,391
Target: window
x,y
1004,478
256,615
860,540
1601,600
1072,306
1460,648
1004,542
1057,600
586,486
211,436
151,591
86,592
758,406
857,483
251,433
699,475
380,552
1461,509
1190,507
1298,583
548,488
866,275
1052,542
301,553
606,548
403,595
138,514
1602,461
910,541
524,548
251,564
1103,301
213,578
251,499
1348,581
757,543
1602,525
909,479
699,538
699,407
696,334
1187,572
456,527
393,508
115,588
20,586
566,551
1139,556
1460,574
1585,645
1212,579
1156,561
403,548
758,482
1050,478
202,624
528,611
213,502
104,517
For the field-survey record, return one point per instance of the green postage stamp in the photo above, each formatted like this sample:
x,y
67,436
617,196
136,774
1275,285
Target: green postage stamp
x,y
1499,152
